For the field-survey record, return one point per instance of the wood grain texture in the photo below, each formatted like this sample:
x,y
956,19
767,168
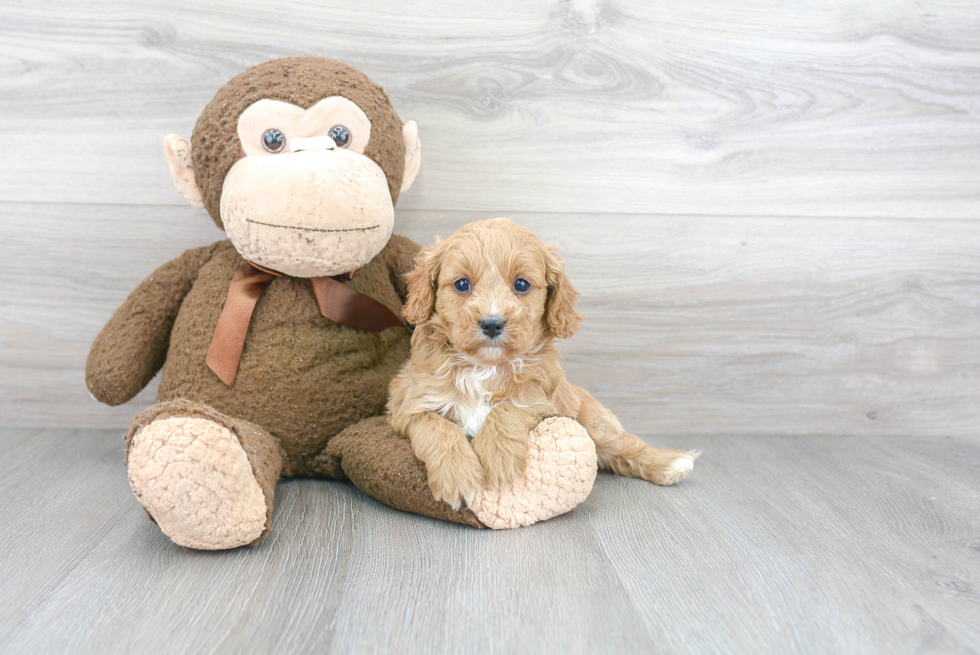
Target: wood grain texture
x,y
693,325
836,108
773,545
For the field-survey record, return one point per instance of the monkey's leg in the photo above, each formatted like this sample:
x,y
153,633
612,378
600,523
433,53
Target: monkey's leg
x,y
561,468
560,472
379,462
206,479
627,454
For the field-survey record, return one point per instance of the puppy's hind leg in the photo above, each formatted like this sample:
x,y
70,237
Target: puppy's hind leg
x,y
627,454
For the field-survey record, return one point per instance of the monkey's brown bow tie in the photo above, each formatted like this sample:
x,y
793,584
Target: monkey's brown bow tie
x,y
336,300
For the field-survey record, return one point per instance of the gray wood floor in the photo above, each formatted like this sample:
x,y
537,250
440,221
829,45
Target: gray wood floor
x,y
774,545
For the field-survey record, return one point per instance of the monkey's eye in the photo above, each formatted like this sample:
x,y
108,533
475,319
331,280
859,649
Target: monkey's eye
x,y
340,135
462,285
273,140
521,285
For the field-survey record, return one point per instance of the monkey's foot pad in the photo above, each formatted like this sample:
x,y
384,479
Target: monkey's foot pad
x,y
193,477
561,469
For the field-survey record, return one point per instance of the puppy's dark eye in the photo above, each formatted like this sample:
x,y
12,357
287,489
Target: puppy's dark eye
x,y
521,285
340,135
273,140
462,285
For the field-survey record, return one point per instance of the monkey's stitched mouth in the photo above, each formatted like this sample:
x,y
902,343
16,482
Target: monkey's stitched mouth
x,y
314,229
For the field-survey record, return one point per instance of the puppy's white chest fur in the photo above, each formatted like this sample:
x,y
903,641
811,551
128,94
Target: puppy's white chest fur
x,y
470,404
472,418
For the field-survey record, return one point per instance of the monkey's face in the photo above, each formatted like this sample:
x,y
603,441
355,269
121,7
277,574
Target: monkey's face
x,y
300,160
305,200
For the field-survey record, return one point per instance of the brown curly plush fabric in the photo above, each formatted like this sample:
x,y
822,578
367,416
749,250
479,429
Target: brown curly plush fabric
x,y
263,451
302,377
132,347
379,462
301,81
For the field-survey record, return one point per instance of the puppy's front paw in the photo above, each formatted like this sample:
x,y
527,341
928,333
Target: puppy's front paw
x,y
457,477
504,460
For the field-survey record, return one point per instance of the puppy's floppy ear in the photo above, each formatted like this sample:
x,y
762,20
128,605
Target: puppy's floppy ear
x,y
560,312
422,280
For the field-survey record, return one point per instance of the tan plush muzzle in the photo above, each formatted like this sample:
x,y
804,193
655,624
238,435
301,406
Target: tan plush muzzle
x,y
326,212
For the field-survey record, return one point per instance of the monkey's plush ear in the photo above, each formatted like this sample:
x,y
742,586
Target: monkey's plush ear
x,y
562,318
413,154
178,153
422,282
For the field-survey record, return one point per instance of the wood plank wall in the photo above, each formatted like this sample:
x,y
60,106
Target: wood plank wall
x,y
772,209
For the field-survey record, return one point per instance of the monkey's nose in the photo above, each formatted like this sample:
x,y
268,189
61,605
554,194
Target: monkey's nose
x,y
312,143
492,326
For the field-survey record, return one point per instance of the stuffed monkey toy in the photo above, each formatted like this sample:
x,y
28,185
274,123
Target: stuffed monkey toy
x,y
278,344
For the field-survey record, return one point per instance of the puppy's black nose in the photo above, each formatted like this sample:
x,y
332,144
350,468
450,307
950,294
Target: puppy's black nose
x,y
492,326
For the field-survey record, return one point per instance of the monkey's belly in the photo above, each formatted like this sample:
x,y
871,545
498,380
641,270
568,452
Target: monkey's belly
x,y
301,377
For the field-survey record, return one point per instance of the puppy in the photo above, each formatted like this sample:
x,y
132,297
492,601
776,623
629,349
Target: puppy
x,y
488,304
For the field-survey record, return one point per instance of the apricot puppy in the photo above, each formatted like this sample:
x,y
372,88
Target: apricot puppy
x,y
488,303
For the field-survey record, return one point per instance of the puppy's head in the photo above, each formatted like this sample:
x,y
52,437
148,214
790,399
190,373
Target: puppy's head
x,y
495,290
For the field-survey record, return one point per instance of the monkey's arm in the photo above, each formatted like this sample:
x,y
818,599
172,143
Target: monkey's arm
x,y
400,257
132,346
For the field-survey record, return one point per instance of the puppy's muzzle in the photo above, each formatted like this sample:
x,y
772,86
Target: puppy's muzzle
x,y
492,326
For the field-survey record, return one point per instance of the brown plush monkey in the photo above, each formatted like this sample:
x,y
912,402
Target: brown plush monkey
x,y
277,345
278,367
